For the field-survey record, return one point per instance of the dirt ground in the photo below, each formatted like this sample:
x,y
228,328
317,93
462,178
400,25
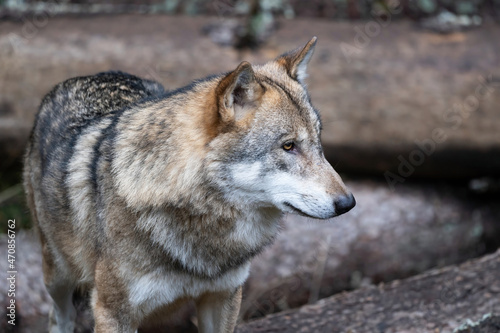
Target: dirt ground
x,y
380,91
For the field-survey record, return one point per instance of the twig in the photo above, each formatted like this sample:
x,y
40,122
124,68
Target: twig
x,y
11,192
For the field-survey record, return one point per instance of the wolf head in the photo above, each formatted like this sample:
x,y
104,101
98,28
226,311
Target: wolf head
x,y
268,151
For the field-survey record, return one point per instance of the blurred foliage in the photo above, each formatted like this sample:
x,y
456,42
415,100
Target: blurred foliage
x,y
255,20
336,9
461,7
12,201
260,21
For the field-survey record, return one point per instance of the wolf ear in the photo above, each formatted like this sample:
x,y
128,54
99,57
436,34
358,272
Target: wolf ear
x,y
295,62
238,93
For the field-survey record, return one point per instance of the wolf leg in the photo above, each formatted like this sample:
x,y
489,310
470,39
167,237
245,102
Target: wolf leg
x,y
63,313
218,312
106,322
111,313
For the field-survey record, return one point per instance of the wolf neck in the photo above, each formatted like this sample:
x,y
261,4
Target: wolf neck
x,y
162,171
207,246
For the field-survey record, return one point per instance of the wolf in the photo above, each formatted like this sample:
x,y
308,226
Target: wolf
x,y
148,199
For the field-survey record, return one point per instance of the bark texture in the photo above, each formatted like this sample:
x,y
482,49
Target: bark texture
x,y
393,97
436,301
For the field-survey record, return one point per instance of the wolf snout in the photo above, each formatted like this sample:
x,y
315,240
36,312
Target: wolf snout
x,y
344,203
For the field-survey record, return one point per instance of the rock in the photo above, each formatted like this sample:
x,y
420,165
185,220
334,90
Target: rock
x,y
487,324
436,301
31,299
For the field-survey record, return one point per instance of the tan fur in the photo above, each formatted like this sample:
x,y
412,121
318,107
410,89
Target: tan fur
x,y
151,199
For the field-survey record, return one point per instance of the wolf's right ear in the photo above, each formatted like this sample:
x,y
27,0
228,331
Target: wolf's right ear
x,y
238,93
295,62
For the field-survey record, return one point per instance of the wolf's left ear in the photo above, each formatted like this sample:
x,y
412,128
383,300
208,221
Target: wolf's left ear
x,y
295,62
238,92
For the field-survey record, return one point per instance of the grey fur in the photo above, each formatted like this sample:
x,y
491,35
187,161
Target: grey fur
x,y
149,198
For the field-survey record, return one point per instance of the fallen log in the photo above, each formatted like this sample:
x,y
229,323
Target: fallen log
x,y
436,301
400,99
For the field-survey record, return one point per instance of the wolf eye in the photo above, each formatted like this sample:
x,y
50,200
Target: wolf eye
x,y
288,145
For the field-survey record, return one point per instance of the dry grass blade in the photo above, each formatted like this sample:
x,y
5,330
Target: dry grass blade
x,y
10,192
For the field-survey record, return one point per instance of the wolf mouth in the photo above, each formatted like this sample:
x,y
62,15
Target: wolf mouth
x,y
299,211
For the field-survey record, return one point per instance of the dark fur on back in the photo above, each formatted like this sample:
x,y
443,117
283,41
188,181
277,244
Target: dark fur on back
x,y
70,107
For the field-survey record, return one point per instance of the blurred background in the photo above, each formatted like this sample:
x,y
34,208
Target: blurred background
x,y
409,93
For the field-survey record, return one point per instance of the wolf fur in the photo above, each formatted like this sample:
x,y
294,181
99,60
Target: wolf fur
x,y
149,199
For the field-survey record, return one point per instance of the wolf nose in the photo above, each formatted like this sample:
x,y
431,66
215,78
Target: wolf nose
x,y
344,204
